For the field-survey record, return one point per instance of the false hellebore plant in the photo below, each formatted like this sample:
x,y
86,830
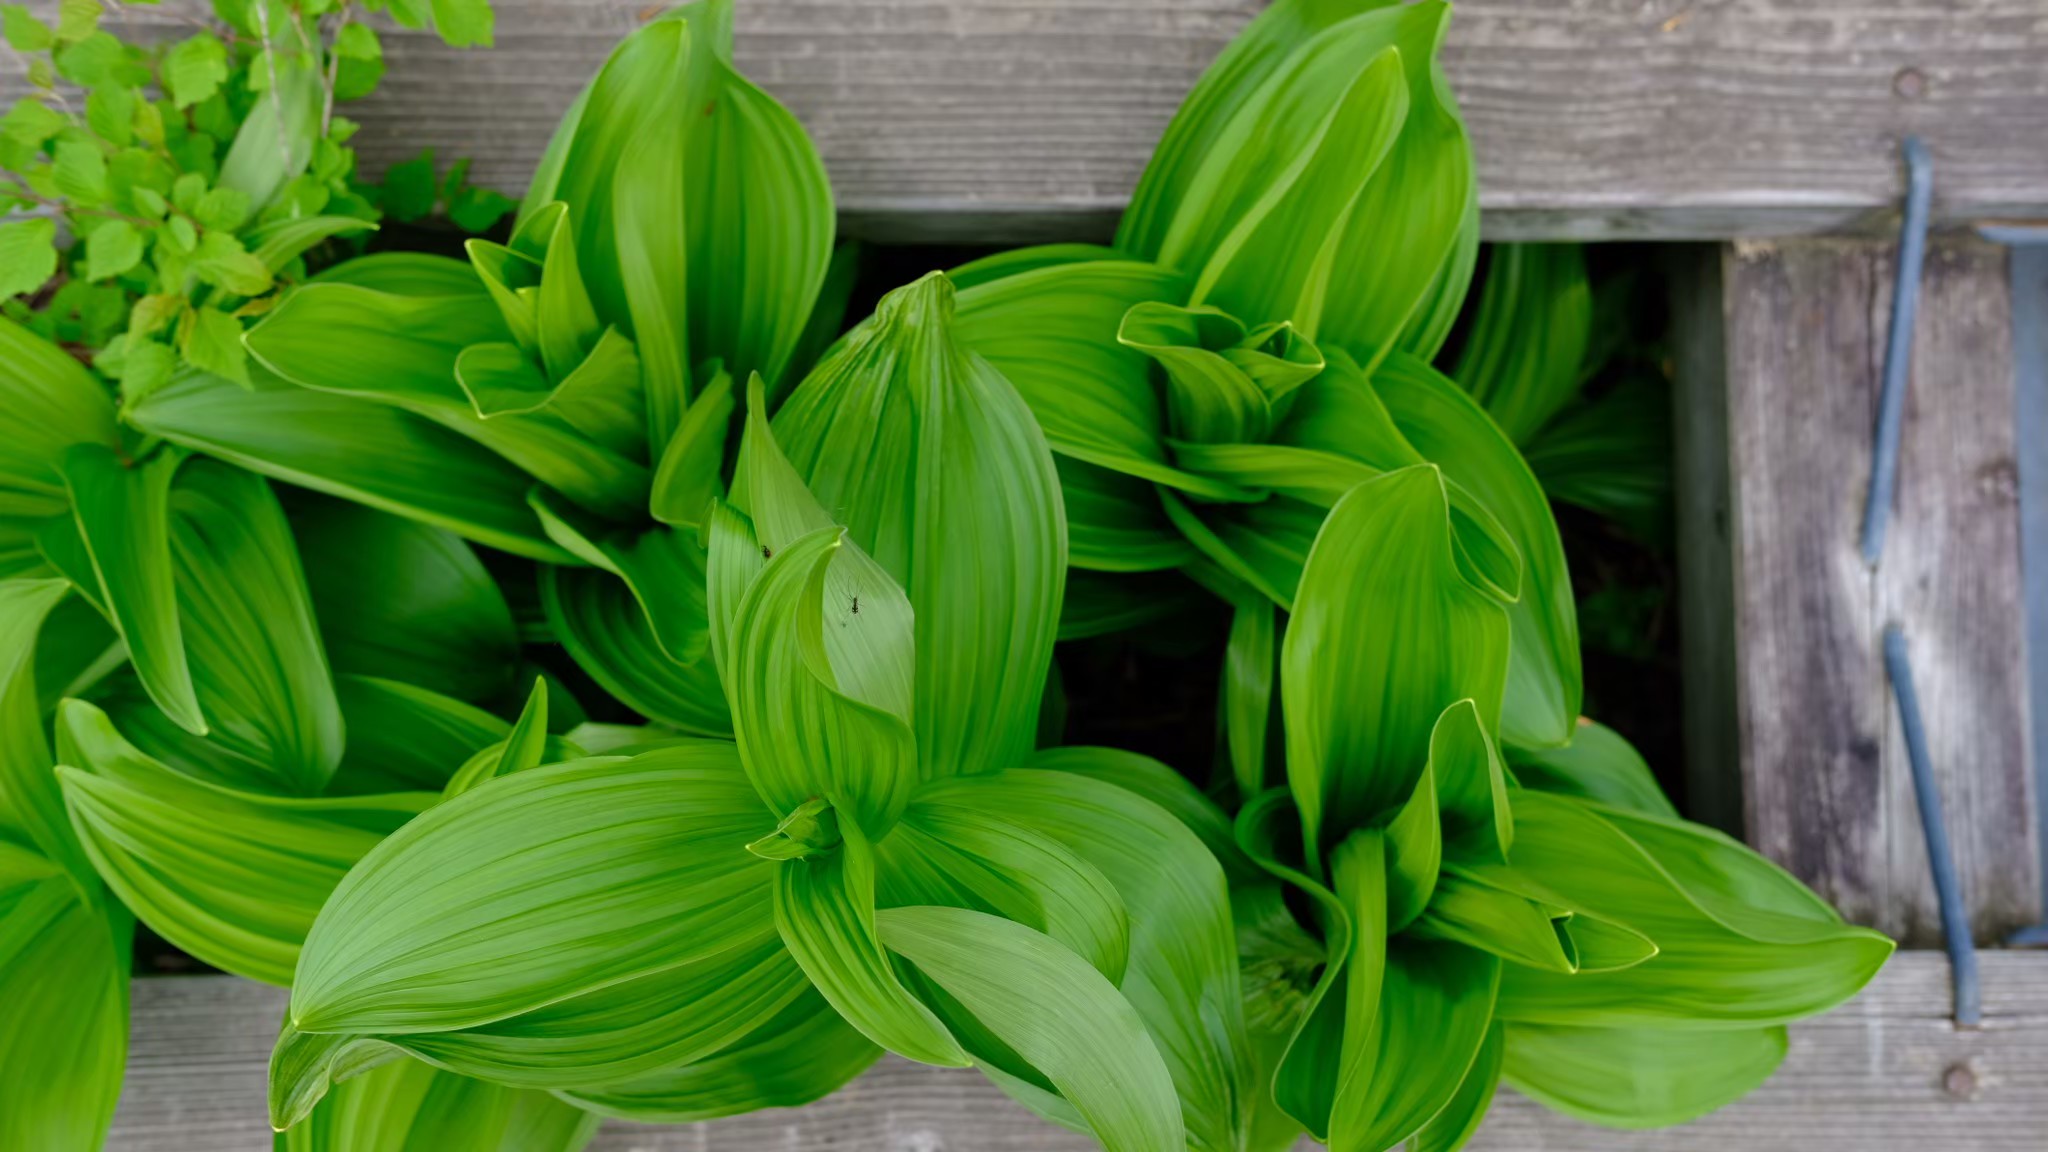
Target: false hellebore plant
x,y
709,927
1257,344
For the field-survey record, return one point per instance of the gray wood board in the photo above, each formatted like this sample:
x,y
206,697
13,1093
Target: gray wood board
x,y
1887,1072
1010,120
1828,791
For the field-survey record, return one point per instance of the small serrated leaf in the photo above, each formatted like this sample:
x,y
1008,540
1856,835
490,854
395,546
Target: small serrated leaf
x,y
28,256
213,341
113,248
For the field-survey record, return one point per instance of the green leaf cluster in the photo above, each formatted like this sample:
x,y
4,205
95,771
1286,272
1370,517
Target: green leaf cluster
x,y
302,635
155,196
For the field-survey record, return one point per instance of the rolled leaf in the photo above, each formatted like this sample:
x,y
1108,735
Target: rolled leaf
x,y
946,481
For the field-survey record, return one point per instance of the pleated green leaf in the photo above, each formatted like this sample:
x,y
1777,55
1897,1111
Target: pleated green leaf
x,y
368,452
1448,429
1739,941
687,480
1459,1121
524,747
601,624
820,680
406,1105
488,905
1406,255
123,516
632,1029
53,403
1055,1011
1597,765
64,979
403,351
662,566
1523,357
406,274
598,395
1182,974
1386,634
401,600
966,856
944,478
31,806
1249,667
1206,114
1434,1013
825,910
806,1053
249,633
234,878
706,236
1275,262
1639,1077
1612,456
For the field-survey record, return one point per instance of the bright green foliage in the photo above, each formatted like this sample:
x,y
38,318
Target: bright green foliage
x,y
1556,926
908,868
1257,345
300,729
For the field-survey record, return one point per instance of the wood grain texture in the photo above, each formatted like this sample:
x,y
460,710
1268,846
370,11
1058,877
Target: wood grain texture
x,y
1010,120
1874,1077
1828,791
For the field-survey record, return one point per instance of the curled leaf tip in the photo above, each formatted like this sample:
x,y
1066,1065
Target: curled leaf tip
x,y
810,828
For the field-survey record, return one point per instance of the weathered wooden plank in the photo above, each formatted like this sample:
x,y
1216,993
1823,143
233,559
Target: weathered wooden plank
x,y
1004,120
1828,790
1886,1073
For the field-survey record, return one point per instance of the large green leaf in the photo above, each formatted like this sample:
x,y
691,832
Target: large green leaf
x,y
1460,1119
1055,1011
249,632
806,1053
635,1028
403,351
1639,1077
489,905
936,466
407,1105
52,403
123,518
234,878
1739,941
1523,356
708,235
1448,429
825,910
355,449
64,979
663,566
1386,633
1182,974
401,600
